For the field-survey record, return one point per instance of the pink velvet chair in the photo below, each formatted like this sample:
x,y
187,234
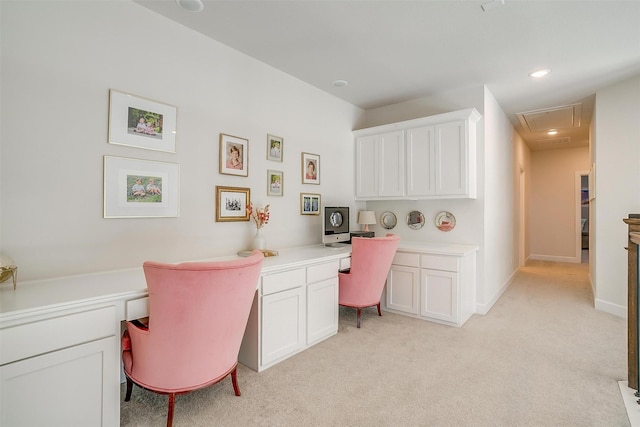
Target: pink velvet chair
x,y
198,312
370,263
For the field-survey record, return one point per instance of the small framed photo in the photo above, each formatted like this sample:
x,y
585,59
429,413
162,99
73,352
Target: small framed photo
x,y
234,155
309,204
274,148
140,122
310,168
136,188
232,203
275,183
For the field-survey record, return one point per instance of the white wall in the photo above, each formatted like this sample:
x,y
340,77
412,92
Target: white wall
x,y
500,204
617,156
59,60
553,203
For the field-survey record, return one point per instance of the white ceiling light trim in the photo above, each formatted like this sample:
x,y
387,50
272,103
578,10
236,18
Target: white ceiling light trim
x,y
539,73
191,5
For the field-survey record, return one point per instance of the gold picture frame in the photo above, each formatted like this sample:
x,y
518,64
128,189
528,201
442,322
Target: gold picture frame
x,y
310,204
232,203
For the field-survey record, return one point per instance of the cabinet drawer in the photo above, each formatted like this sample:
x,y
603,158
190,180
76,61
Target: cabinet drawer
x,y
277,282
320,272
32,339
408,259
440,262
137,308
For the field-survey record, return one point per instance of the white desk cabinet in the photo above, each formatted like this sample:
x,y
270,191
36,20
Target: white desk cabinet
x,y
294,308
433,282
60,338
66,364
428,158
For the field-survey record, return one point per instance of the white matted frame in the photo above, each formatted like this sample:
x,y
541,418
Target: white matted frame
x,y
232,203
275,147
140,122
275,183
309,204
310,168
135,188
234,155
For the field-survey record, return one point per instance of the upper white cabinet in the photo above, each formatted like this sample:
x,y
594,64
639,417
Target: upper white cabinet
x,y
427,158
380,165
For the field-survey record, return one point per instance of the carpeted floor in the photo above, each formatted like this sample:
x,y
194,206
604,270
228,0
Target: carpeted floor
x,y
541,357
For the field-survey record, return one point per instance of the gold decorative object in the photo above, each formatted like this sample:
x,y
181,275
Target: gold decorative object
x,y
8,268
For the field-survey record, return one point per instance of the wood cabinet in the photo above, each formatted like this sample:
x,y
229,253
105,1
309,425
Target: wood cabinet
x,y
433,282
428,158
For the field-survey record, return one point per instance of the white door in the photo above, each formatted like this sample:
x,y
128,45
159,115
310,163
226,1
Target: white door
x,y
402,289
283,324
451,159
322,310
438,295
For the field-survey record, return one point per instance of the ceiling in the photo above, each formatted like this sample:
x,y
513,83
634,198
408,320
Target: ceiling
x,y
393,51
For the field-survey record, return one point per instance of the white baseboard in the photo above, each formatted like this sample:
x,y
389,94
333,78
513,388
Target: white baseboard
x,y
630,404
484,308
611,308
569,259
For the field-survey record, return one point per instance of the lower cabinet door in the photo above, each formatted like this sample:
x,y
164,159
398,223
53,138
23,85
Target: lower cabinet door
x,y
402,289
322,310
439,292
77,386
283,324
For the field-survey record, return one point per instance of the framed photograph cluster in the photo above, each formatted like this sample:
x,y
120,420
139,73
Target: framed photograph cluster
x,y
309,204
234,155
140,188
232,203
310,168
140,122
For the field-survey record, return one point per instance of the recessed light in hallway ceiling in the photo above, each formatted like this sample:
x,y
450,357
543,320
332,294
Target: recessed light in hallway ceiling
x,y
191,5
540,73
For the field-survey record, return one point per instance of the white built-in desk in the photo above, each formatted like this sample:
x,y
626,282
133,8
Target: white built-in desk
x,y
60,338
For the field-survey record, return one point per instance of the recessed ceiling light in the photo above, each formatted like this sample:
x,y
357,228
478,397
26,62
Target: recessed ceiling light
x,y
552,132
191,5
540,73
340,83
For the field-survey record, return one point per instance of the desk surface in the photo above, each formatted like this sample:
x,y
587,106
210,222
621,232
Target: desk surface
x,y
67,292
75,291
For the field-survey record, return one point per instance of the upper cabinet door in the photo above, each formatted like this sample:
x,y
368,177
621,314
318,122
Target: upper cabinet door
x,y
420,162
451,158
380,165
391,162
367,166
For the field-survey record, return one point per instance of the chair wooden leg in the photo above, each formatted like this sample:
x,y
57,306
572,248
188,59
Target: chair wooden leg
x,y
379,312
172,402
234,380
127,397
358,316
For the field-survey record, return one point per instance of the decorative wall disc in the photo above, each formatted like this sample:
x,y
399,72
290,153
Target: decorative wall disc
x,y
445,221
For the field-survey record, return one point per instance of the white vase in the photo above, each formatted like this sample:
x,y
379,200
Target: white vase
x,y
258,241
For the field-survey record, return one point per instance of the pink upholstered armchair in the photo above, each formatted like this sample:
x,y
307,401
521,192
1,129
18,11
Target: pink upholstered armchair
x,y
370,263
198,312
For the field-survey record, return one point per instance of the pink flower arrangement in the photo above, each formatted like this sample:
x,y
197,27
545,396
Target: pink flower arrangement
x,y
259,215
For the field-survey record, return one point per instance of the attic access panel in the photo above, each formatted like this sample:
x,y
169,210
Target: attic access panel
x,y
564,117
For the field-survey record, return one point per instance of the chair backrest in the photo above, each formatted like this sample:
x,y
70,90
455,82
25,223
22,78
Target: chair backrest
x,y
198,313
371,260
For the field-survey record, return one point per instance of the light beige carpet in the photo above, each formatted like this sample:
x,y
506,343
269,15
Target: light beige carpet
x,y
543,356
